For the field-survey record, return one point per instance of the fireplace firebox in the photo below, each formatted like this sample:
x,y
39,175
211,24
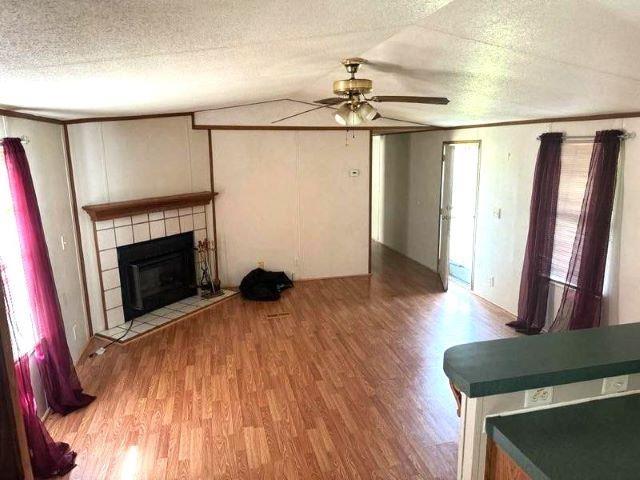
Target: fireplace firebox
x,y
156,273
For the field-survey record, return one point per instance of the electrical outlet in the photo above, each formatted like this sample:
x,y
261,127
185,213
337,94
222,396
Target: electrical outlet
x,y
538,396
492,281
615,384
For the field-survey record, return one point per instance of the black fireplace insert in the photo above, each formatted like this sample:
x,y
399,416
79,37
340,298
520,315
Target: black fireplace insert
x,y
156,273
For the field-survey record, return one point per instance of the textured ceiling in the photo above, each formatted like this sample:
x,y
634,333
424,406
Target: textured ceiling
x,y
496,60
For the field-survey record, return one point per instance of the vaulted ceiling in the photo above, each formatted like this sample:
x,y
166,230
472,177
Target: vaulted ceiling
x,y
497,60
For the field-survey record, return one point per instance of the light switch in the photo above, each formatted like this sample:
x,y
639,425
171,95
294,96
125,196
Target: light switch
x,y
497,212
63,242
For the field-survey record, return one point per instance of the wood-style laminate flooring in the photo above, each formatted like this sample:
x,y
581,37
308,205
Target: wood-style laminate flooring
x,y
342,378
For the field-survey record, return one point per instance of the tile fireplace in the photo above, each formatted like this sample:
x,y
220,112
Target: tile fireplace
x,y
146,267
113,235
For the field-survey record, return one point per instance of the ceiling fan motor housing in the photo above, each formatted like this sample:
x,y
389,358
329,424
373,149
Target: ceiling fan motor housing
x,y
352,86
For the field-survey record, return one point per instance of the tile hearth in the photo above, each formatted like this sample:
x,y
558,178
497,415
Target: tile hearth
x,y
162,316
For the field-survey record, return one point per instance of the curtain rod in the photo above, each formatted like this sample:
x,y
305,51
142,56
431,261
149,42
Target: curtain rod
x,y
23,139
624,136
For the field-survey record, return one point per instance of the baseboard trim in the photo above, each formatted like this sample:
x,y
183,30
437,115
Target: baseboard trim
x,y
407,256
493,304
45,415
313,279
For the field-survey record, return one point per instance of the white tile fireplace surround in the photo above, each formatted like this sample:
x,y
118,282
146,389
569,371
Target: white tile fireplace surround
x,y
110,234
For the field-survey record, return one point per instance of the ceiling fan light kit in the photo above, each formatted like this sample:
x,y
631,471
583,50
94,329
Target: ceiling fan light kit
x,y
367,112
347,116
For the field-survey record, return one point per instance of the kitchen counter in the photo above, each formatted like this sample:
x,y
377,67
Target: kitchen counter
x,y
591,440
515,364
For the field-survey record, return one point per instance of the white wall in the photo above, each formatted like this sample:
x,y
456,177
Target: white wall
x,y
132,159
286,199
507,161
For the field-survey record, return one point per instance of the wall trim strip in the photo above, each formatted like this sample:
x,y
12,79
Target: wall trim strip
x,y
213,208
370,195
76,230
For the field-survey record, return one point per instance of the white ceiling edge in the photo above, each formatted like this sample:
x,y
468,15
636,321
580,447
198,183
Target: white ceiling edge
x,y
264,114
507,61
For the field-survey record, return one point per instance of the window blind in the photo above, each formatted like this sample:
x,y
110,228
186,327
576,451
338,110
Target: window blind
x,y
574,161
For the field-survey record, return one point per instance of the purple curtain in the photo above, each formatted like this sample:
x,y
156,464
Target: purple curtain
x,y
581,305
534,283
60,381
61,384
48,458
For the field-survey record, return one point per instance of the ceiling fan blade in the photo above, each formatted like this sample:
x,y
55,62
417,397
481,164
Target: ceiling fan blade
x,y
401,120
301,113
410,99
330,101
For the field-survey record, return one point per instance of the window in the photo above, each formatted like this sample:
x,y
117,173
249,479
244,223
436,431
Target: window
x,y
16,295
574,161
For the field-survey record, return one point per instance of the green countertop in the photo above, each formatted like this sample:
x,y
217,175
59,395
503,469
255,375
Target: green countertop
x,y
593,440
513,364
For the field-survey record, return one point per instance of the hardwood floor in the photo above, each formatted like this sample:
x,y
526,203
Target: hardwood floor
x,y
342,378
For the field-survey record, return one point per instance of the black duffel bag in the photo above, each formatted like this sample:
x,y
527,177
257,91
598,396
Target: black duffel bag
x,y
259,284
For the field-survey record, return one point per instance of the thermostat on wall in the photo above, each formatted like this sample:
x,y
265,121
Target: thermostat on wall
x,y
354,172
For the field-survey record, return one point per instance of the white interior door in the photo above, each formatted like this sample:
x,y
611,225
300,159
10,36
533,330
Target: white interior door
x,y
445,215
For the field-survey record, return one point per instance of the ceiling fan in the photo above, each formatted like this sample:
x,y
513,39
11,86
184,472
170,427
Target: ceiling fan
x,y
353,107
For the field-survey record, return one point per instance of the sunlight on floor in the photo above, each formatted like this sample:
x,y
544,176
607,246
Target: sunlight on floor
x,y
130,464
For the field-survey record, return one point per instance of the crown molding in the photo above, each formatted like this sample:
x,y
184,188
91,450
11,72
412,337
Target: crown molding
x,y
127,117
391,130
579,118
29,116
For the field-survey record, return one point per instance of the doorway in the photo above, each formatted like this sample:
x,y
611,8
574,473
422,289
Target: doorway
x,y
458,211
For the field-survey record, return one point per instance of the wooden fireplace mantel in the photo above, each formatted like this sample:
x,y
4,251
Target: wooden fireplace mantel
x,y
108,211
